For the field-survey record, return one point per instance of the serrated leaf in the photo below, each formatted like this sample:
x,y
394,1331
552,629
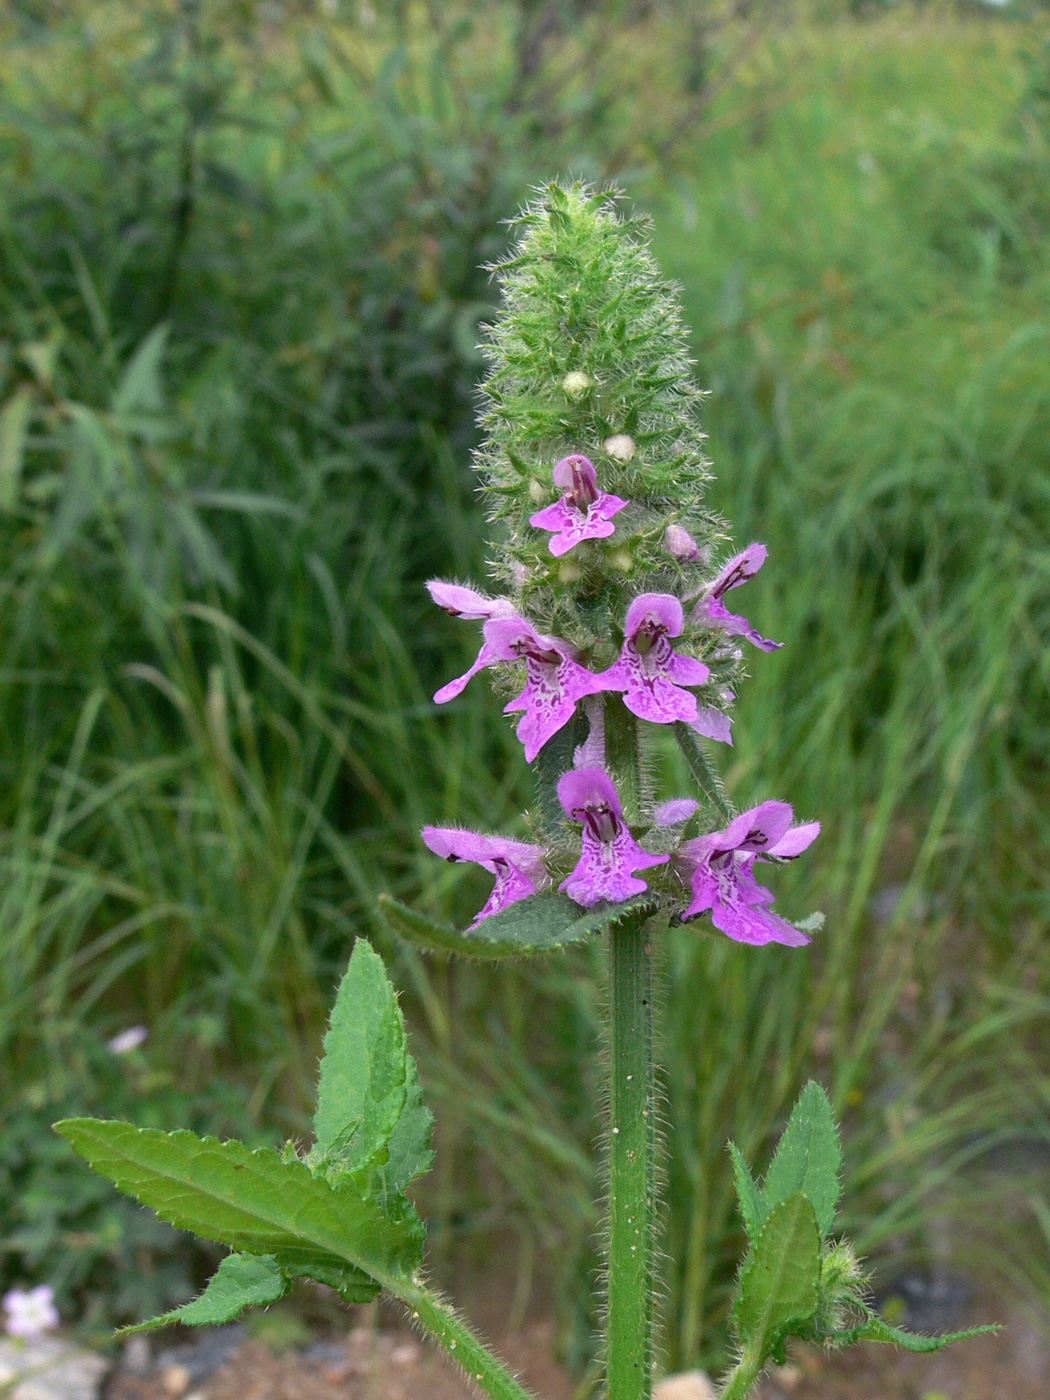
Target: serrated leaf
x,y
779,1284
747,1193
361,1091
876,1329
253,1202
808,1159
241,1281
541,923
409,1153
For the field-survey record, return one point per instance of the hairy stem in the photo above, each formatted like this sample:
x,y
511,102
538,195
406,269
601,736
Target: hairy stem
x,y
632,1188
740,1381
709,781
447,1327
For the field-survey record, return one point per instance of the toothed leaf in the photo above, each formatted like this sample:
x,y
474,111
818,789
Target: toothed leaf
x,y
539,924
361,1091
876,1329
747,1193
254,1202
409,1153
808,1159
779,1284
241,1281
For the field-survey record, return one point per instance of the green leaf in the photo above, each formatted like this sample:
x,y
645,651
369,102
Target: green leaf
x,y
747,1193
779,1284
140,388
14,423
808,1159
875,1329
241,1281
539,924
361,1091
254,1202
409,1151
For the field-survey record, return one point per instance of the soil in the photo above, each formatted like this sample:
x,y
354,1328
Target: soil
x,y
387,1363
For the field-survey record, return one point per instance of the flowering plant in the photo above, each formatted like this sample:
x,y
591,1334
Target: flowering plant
x,y
606,627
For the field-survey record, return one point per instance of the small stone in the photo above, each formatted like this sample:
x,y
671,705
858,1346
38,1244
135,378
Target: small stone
x,y
48,1368
687,1385
136,1358
788,1376
175,1379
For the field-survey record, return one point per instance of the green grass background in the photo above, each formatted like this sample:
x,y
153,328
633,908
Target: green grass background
x,y
239,298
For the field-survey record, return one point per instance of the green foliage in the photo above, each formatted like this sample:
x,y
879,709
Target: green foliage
x,y
808,1160
779,1282
539,924
339,1217
361,1092
795,1281
241,1281
253,1201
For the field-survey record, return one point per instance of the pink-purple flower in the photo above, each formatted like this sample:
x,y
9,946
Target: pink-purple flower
x,y
555,679
650,672
583,513
460,601
30,1312
517,865
610,855
712,610
721,868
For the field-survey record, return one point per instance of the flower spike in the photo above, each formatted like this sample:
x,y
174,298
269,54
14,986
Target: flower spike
x,y
721,869
517,866
610,853
650,672
583,513
712,610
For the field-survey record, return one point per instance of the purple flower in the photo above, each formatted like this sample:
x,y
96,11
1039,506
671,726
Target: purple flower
x,y
610,853
555,680
30,1313
517,866
723,881
583,513
679,809
650,672
460,601
713,724
712,610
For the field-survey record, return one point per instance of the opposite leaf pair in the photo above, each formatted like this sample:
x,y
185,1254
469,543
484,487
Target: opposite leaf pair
x,y
796,1281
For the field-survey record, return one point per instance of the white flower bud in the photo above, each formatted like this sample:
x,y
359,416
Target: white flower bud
x,y
537,491
621,446
576,383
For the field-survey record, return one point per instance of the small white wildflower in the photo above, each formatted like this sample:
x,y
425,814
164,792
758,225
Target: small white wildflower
x,y
30,1314
128,1040
621,446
